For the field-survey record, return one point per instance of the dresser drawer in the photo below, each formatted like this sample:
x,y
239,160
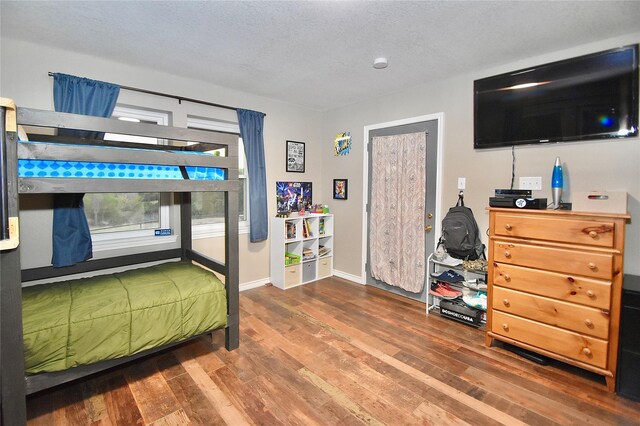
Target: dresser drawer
x,y
575,231
570,288
594,322
589,350
292,275
588,264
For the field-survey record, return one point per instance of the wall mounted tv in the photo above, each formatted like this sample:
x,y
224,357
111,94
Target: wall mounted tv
x,y
588,97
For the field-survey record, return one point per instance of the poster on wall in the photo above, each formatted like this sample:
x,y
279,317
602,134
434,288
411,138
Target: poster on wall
x,y
295,156
342,143
293,196
340,189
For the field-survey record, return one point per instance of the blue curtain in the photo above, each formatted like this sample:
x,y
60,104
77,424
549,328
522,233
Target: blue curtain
x,y
71,236
251,129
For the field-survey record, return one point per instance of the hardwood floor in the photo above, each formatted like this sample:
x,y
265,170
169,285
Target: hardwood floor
x,y
331,353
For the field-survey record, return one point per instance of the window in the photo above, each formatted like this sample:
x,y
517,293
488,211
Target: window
x,y
208,207
132,217
122,212
119,220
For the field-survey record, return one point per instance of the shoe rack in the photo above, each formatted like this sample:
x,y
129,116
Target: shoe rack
x,y
436,267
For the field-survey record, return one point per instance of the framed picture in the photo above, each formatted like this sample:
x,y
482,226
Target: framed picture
x,y
295,157
340,187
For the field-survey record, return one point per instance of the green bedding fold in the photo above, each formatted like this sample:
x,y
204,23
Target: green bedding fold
x,y
82,321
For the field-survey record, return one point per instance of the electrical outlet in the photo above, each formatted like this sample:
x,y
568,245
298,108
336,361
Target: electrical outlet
x,y
532,183
462,182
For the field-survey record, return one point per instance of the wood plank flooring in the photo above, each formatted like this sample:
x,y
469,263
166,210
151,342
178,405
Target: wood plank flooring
x,y
336,353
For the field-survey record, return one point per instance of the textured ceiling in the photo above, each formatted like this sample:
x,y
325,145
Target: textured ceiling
x,y
317,54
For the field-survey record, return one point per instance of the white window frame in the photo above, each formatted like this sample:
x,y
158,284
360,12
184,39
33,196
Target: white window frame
x,y
145,237
212,230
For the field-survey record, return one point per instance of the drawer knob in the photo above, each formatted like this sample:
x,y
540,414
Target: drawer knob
x,y
586,351
506,302
592,266
507,254
505,326
507,277
507,227
590,293
593,234
588,323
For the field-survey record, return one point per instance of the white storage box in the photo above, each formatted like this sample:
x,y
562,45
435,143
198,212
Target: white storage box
x,y
599,202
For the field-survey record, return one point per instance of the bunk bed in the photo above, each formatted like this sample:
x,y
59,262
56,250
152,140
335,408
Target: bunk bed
x,y
180,291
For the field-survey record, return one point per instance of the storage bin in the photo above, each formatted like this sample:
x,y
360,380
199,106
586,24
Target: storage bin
x,y
309,271
291,275
325,267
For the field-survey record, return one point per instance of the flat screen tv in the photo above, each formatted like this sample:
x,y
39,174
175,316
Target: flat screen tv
x,y
589,97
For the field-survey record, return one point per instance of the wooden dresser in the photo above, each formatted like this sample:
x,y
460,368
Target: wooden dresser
x,y
554,284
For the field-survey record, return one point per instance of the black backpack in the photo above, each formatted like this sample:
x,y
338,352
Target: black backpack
x,y
460,233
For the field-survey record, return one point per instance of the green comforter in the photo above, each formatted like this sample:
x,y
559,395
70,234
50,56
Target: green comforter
x,y
83,321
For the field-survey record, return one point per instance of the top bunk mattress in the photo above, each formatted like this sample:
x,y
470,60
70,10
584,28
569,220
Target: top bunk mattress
x,y
110,169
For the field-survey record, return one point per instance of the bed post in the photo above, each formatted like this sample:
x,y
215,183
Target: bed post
x,y
232,332
185,223
11,347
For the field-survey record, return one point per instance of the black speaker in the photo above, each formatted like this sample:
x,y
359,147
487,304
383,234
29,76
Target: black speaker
x,y
628,375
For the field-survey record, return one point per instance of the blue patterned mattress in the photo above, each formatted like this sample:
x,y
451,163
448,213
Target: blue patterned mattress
x,y
102,170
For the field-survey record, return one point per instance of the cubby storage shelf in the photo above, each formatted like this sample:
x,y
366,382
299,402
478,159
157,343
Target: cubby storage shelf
x,y
301,249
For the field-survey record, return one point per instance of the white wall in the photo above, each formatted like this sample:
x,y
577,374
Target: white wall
x,y
612,165
23,77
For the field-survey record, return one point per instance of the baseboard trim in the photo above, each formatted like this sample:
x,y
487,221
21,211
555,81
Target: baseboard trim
x,y
254,284
265,281
349,277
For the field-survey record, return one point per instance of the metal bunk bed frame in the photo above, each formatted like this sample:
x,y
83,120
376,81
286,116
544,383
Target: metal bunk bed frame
x,y
14,384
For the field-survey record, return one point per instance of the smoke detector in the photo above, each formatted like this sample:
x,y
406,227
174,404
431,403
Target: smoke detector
x,y
380,63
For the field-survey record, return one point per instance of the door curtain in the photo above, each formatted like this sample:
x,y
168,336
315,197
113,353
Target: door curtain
x,y
397,214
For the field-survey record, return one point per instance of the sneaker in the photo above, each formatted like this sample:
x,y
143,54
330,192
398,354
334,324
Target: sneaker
x,y
437,289
478,300
475,284
451,289
449,276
